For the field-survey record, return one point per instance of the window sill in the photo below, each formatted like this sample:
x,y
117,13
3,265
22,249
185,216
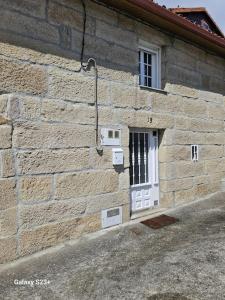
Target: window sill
x,y
153,89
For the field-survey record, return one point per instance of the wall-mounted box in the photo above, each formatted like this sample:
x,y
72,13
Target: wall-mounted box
x,y
111,217
110,137
117,156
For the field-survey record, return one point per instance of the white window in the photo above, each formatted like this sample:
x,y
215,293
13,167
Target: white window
x,y
194,152
149,68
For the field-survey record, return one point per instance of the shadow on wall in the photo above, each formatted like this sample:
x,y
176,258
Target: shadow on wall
x,y
112,39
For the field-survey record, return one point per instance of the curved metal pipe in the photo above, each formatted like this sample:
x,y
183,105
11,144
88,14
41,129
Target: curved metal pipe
x,y
92,63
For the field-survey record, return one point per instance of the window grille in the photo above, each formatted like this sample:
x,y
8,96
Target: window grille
x,y
194,152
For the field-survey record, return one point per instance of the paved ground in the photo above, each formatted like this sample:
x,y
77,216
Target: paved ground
x,y
182,261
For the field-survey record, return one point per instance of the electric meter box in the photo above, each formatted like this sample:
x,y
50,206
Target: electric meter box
x,y
111,217
110,137
117,156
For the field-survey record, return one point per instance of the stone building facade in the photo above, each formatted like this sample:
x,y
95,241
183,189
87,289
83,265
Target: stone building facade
x,y
53,183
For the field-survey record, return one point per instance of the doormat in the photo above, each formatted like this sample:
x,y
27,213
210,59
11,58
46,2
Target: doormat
x,y
160,221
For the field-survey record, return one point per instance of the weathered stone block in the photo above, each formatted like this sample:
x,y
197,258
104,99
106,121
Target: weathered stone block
x,y
18,77
182,152
202,179
60,111
8,166
173,153
8,222
70,3
7,193
3,103
107,115
124,180
35,188
5,136
195,108
168,137
197,138
65,37
4,120
181,90
52,161
116,75
112,55
167,103
7,250
181,58
167,170
189,49
145,119
166,200
214,138
86,183
205,125
30,7
215,165
126,213
75,87
216,112
103,161
166,154
126,23
37,57
130,96
123,57
214,186
210,96
35,215
28,26
211,151
59,14
99,202
185,196
181,122
176,185
187,169
201,190
23,107
49,235
182,137
125,136
116,35
147,33
32,135
123,116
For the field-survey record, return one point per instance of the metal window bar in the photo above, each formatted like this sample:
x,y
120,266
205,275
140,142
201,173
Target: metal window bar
x,y
156,159
139,147
139,159
133,157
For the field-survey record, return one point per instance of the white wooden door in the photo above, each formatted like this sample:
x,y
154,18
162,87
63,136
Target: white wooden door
x,y
144,179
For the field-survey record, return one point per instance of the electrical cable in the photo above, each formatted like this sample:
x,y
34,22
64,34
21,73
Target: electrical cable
x,y
84,32
86,67
82,66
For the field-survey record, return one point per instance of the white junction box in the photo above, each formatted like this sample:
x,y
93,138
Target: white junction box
x,y
117,156
111,217
110,137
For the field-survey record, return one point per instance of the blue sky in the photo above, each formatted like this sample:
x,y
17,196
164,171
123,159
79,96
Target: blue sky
x,y
216,8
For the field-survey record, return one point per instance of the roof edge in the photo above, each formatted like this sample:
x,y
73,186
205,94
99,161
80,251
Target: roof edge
x,y
183,10
155,14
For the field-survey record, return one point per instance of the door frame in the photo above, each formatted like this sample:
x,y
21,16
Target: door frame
x,y
153,169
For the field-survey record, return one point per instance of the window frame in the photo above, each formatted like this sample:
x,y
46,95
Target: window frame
x,y
154,51
194,153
